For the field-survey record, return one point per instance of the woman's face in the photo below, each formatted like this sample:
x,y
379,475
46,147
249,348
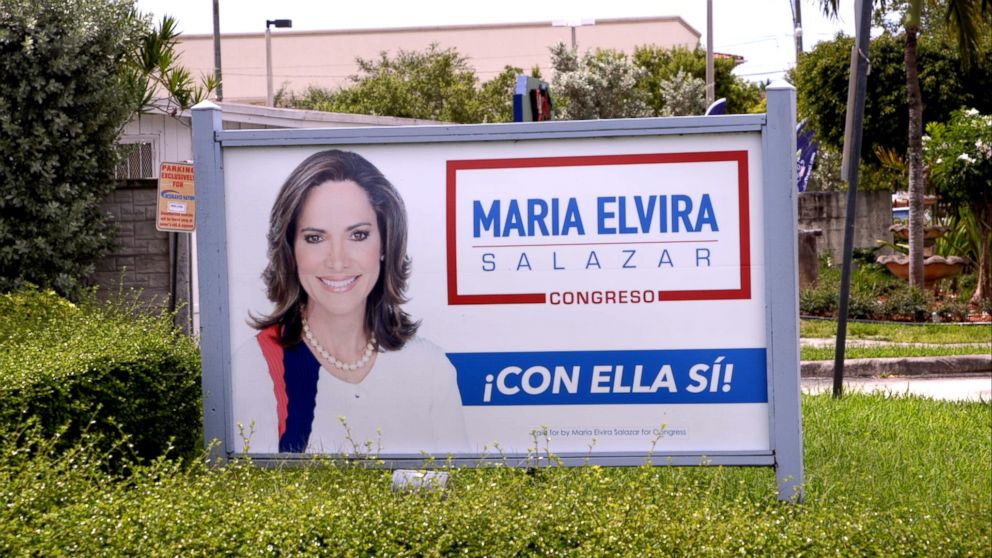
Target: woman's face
x,y
337,247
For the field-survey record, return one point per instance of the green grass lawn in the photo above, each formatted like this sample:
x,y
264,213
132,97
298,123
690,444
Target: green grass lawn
x,y
938,339
892,351
888,476
900,333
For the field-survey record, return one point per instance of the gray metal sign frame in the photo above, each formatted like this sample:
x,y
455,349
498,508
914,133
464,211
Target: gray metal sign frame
x,y
778,137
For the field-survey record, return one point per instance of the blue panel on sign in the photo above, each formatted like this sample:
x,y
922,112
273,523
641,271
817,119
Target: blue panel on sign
x,y
612,377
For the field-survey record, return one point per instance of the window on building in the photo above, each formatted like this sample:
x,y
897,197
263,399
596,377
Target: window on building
x,y
136,161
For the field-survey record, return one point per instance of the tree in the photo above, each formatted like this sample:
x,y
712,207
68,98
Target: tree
x,y
64,97
439,84
600,84
683,94
153,69
968,19
821,80
436,84
662,64
959,154
494,101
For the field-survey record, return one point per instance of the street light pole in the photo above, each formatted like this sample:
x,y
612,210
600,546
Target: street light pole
x,y
282,23
573,23
268,65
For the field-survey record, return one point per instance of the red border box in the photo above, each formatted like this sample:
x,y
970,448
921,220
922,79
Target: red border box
x,y
740,157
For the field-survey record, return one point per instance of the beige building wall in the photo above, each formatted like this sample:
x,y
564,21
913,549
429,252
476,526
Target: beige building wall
x,y
327,58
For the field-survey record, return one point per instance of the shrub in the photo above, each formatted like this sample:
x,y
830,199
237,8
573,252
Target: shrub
x,y
818,301
868,280
435,83
965,286
63,102
99,368
876,294
598,84
888,476
875,280
959,155
952,310
908,303
659,65
863,306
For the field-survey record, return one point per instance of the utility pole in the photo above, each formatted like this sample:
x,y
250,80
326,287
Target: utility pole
x,y
710,85
797,20
220,83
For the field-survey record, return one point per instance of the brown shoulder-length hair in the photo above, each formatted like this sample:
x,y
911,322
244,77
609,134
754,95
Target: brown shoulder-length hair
x,y
383,313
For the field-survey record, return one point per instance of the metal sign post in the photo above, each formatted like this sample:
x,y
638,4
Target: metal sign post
x,y
849,172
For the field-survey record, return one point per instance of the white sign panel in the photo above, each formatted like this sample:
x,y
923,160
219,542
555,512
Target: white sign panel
x,y
607,291
608,294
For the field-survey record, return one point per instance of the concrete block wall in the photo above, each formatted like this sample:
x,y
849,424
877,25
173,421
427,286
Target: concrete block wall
x,y
143,258
827,211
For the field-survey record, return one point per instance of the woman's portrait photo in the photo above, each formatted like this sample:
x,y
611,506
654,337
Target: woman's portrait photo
x,y
336,365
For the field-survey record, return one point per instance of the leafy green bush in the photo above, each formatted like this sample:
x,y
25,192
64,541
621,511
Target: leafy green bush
x,y
597,84
63,101
863,306
876,294
887,476
99,368
867,281
435,83
952,310
959,155
820,300
660,65
908,303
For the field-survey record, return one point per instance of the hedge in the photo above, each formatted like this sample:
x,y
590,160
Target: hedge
x,y
103,369
885,476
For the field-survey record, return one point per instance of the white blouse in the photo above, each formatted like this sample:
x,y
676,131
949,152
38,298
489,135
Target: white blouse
x,y
407,404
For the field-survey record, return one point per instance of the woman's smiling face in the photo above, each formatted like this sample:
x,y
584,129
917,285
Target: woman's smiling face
x,y
337,246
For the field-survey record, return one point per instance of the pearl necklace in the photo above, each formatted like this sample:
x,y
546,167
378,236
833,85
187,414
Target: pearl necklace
x,y
348,366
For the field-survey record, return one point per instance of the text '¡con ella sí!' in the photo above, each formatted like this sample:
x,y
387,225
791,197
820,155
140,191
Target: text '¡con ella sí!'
x,y
612,377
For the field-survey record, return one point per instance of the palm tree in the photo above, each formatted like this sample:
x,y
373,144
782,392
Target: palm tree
x,y
155,77
967,18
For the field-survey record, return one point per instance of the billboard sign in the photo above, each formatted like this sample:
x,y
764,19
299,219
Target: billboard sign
x,y
621,289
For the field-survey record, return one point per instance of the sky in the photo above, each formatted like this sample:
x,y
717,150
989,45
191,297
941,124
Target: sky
x,y
759,30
